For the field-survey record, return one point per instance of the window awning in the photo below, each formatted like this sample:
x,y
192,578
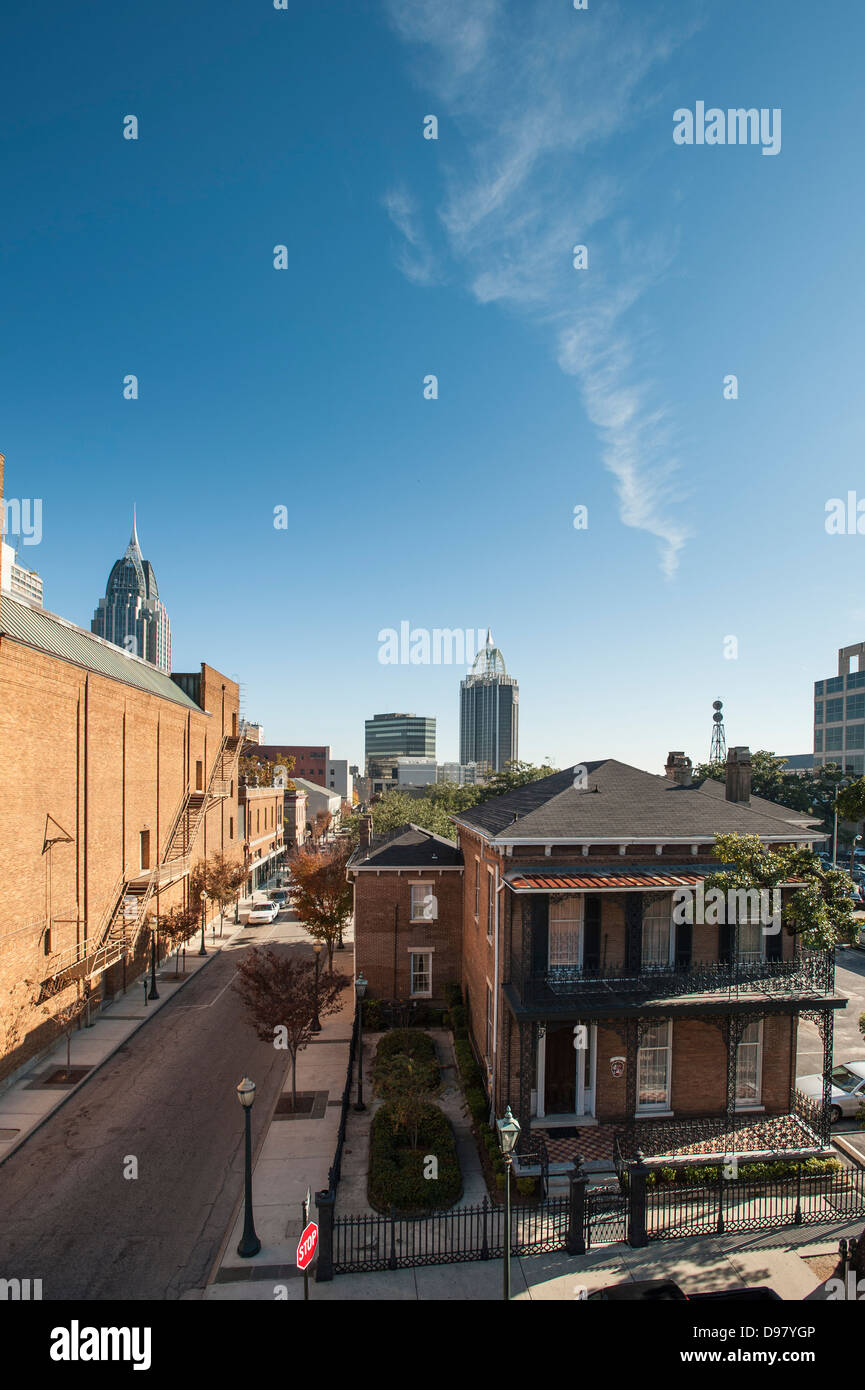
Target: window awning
x,y
609,880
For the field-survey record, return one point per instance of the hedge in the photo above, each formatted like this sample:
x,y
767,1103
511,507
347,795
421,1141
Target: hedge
x,y
396,1171
694,1175
405,1042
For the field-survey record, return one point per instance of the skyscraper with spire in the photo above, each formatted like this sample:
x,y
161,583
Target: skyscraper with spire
x,y
131,615
489,711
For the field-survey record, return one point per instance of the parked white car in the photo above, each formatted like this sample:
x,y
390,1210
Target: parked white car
x,y
848,1089
262,912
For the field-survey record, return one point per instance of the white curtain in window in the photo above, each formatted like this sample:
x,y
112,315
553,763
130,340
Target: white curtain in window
x,y
566,921
654,1066
657,932
748,1063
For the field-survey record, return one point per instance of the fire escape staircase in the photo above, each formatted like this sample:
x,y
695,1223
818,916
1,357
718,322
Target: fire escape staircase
x,y
127,914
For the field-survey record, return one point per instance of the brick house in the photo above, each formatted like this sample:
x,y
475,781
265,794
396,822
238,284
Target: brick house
x,y
593,1008
408,914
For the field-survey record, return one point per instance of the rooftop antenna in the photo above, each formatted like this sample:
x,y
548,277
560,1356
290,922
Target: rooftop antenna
x,y
718,750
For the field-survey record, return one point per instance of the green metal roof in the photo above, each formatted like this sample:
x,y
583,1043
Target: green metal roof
x,y
47,633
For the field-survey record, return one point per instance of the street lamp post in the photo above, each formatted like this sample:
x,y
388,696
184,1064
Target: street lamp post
x,y
203,951
359,991
153,991
249,1243
315,1026
509,1133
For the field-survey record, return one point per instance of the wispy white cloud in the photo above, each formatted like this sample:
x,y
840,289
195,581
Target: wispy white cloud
x,y
414,256
536,93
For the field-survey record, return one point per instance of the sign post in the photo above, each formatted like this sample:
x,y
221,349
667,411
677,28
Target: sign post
x,y
306,1246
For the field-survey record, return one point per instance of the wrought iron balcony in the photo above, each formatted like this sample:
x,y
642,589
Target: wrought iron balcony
x,y
811,975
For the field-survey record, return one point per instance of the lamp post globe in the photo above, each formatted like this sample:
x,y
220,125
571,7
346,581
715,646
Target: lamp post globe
x,y
509,1133
249,1244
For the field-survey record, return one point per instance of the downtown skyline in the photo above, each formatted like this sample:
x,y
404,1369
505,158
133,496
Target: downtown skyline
x,y
558,388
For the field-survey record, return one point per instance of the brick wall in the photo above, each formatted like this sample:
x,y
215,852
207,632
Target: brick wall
x,y
105,761
384,935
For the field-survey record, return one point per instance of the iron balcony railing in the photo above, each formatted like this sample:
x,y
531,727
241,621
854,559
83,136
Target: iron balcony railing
x,y
809,974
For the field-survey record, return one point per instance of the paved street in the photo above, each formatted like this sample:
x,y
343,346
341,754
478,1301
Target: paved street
x,y
849,1043
67,1214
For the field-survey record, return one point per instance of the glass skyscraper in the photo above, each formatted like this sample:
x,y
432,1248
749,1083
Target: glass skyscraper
x,y
131,615
489,711
392,736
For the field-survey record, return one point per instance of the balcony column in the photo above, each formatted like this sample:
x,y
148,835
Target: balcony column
x,y
736,1024
824,1020
524,1104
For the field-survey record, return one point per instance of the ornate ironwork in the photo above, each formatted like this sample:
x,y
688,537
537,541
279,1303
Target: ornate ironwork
x,y
736,1025
811,975
824,1020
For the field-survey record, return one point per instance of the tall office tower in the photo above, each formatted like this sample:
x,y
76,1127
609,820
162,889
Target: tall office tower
x,y
489,711
131,614
393,736
839,714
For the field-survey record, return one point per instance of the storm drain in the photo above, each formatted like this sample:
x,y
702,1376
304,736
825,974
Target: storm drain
x,y
311,1105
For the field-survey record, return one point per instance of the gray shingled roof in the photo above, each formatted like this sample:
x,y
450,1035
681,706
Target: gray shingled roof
x,y
628,804
410,847
47,633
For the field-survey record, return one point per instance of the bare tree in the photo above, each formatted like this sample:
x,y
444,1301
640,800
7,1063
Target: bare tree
x,y
280,996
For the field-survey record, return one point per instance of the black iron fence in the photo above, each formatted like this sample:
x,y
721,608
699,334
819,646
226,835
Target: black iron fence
x,y
336,1167
449,1237
637,1211
754,1204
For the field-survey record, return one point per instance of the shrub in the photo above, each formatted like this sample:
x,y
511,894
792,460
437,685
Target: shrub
x,y
468,1067
453,995
477,1103
373,1015
396,1171
417,1047
527,1186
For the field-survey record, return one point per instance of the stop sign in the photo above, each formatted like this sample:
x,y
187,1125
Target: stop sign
x,y
306,1246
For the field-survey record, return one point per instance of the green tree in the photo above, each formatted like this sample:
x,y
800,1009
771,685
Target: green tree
x,y
406,1083
820,912
514,774
851,806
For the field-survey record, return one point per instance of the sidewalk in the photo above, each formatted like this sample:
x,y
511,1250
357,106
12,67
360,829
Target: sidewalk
x,y
760,1258
28,1102
295,1155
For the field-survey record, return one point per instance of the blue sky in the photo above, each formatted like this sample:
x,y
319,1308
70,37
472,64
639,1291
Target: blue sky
x,y
557,387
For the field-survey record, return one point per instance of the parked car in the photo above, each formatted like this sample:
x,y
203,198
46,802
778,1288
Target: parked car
x,y
665,1290
262,912
279,895
848,1089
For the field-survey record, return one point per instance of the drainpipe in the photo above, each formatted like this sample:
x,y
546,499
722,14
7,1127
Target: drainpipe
x,y
495,1058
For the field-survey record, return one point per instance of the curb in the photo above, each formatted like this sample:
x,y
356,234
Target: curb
x,y
49,1114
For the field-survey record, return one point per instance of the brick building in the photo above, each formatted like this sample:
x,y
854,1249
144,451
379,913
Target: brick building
x,y
408,914
261,811
118,778
593,1008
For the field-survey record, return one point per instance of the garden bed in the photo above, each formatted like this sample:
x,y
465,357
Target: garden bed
x,y
398,1168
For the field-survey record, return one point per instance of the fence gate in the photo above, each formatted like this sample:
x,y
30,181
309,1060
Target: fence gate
x,y
605,1218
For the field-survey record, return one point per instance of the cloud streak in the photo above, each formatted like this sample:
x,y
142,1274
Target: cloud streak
x,y
536,94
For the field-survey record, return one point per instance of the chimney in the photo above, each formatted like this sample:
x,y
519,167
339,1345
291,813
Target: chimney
x,y
678,769
738,781
366,832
